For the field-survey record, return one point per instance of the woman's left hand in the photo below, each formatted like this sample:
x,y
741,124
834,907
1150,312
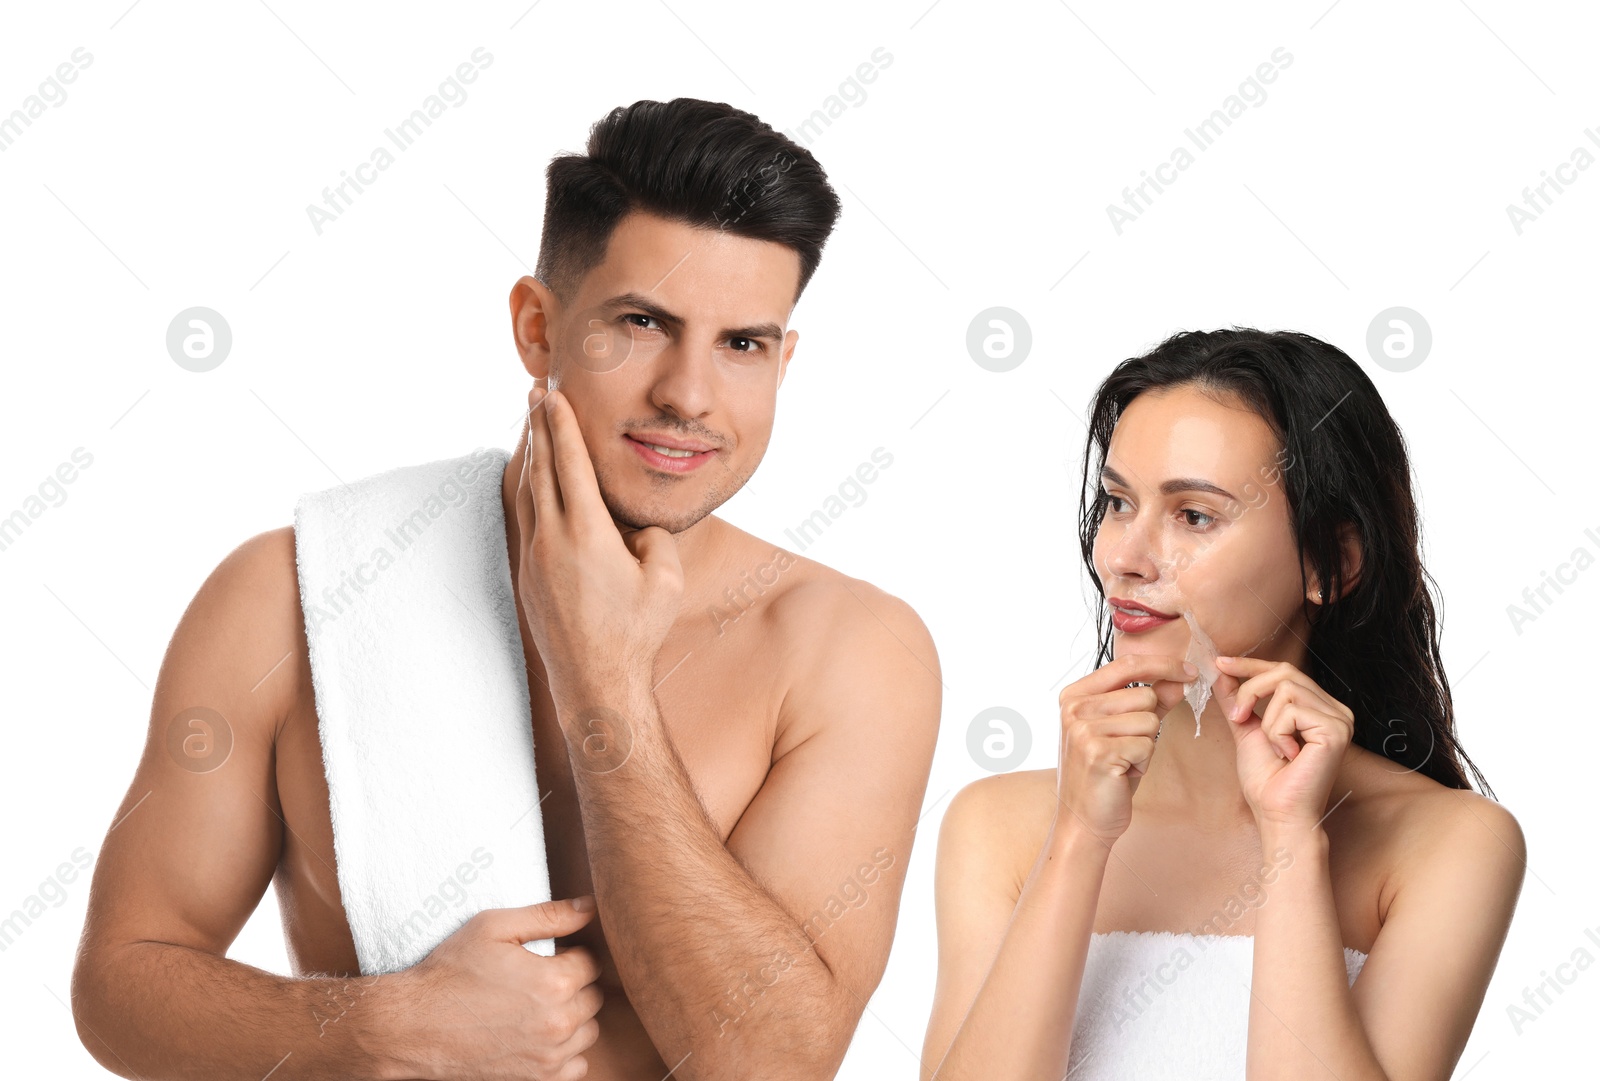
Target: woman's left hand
x,y
1289,754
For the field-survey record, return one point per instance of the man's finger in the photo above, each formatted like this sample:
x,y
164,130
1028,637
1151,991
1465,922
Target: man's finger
x,y
571,466
523,502
541,477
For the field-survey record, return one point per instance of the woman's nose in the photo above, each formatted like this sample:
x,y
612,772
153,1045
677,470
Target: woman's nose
x,y
1133,552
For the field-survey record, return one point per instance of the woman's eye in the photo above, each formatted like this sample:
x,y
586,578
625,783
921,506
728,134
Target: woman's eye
x,y
1204,522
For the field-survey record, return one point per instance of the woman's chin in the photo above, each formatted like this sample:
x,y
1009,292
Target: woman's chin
x,y
1169,640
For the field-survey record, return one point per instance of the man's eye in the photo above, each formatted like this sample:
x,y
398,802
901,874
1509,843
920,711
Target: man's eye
x,y
755,346
640,315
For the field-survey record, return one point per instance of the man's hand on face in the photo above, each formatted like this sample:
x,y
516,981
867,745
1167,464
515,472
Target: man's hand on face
x,y
599,600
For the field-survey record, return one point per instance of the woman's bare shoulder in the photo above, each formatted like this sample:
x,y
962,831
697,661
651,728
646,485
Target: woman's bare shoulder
x,y
1021,796
1406,799
1412,823
1004,817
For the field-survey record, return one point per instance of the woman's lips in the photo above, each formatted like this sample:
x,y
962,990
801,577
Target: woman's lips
x,y
1132,624
1137,617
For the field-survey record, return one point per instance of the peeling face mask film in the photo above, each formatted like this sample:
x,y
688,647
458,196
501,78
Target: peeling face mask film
x,y
1202,654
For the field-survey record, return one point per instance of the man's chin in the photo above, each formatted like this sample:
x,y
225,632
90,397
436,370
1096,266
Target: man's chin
x,y
628,518
676,510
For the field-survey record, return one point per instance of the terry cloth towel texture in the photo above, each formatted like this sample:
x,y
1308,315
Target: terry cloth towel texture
x,y
1157,1004
422,703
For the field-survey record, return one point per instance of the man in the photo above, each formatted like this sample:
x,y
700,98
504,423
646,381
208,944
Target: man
x,y
746,854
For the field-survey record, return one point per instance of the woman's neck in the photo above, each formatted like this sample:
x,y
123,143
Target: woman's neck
x,y
1195,779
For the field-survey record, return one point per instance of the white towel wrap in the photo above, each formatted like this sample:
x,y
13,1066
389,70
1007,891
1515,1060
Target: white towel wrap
x,y
1158,1004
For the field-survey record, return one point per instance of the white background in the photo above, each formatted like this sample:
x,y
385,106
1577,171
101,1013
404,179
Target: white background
x,y
975,172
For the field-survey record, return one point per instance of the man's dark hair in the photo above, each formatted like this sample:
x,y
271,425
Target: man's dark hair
x,y
703,163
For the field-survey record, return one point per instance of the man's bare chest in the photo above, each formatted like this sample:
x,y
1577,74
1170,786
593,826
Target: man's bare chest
x,y
719,713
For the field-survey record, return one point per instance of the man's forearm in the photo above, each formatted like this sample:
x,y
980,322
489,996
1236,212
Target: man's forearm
x,y
723,978
155,1010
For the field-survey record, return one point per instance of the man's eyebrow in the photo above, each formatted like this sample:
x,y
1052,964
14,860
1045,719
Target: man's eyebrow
x,y
1171,487
649,307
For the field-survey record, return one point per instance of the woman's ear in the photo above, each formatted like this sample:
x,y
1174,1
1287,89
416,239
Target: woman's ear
x,y
1350,555
1350,545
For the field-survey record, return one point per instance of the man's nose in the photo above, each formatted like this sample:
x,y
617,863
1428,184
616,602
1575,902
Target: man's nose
x,y
684,378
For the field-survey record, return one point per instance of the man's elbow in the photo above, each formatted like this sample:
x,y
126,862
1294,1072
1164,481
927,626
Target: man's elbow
x,y
815,1051
92,1014
807,1042
834,1029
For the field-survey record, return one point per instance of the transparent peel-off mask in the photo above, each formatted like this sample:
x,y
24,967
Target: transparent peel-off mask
x,y
1202,651
1203,655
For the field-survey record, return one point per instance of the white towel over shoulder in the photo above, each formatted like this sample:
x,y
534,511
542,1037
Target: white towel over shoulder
x,y
422,703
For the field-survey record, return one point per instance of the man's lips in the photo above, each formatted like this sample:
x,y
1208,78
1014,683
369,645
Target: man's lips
x,y
670,442
1139,609
672,462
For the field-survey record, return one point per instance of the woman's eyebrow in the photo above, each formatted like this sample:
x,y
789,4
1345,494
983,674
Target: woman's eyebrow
x,y
1171,487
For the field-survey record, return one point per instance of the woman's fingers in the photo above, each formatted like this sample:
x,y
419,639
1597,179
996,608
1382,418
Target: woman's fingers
x,y
1114,703
1278,725
1131,754
1131,668
1262,679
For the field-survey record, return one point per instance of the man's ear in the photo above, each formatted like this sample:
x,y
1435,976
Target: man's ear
x,y
532,307
790,340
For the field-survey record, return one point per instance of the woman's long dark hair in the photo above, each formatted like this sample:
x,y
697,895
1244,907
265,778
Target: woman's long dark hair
x,y
1343,460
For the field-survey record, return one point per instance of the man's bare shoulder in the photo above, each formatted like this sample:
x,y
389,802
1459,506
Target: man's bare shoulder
x,y
807,602
246,627
834,613
827,626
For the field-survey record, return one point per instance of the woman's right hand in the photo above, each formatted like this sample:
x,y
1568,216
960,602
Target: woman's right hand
x,y
1108,735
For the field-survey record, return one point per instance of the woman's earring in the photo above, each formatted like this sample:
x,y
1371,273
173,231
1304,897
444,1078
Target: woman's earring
x,y
1319,596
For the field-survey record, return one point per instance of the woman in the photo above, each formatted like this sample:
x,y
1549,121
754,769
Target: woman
x,y
1175,901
